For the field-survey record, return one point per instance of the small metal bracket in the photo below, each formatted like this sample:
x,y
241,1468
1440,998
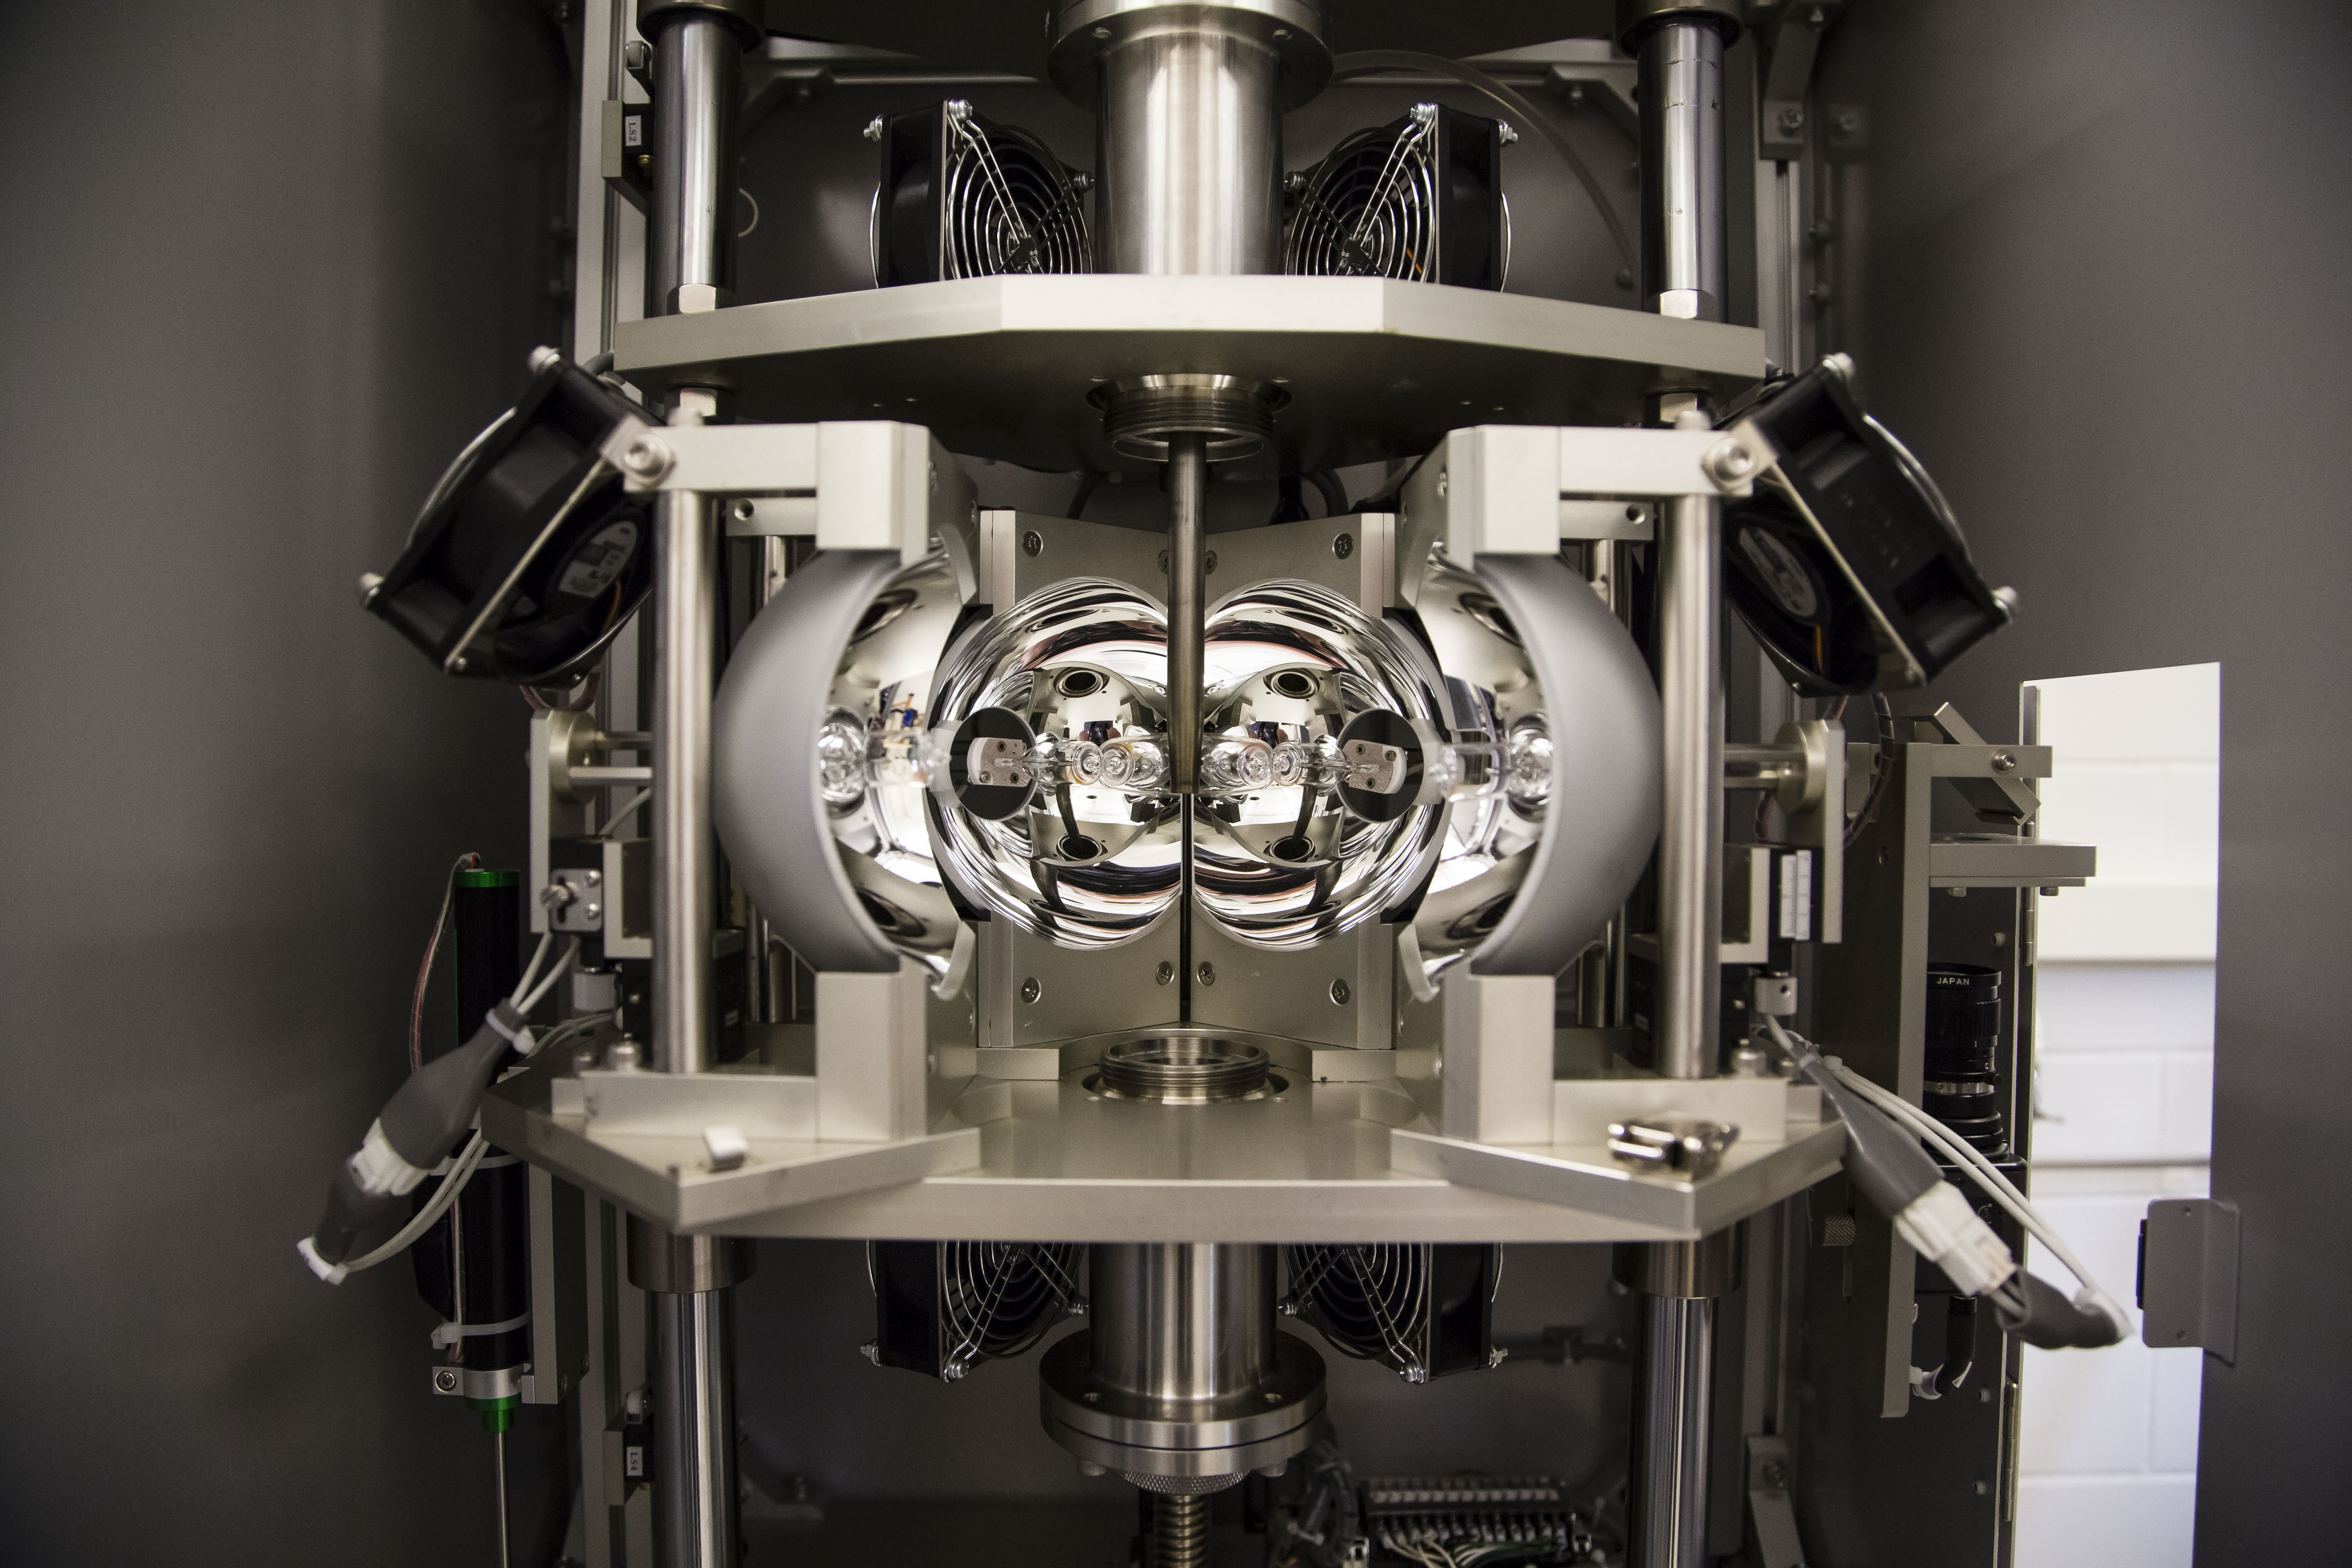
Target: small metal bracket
x,y
2188,1276
1769,1504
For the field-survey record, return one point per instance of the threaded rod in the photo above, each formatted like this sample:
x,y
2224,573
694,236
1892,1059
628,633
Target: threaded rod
x,y
1179,1530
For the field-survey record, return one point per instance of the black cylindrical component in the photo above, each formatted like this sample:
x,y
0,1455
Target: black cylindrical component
x,y
1962,1085
473,1266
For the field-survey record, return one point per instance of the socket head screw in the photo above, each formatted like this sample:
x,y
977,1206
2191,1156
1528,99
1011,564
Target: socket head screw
x,y
1729,462
1031,990
647,457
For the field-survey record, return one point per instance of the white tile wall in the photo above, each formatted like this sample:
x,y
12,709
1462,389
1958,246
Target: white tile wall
x,y
2124,1100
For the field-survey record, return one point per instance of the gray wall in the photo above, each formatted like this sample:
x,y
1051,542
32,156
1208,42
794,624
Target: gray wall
x,y
2092,259
266,267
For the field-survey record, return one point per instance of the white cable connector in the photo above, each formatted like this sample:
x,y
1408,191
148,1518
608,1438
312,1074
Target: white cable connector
x,y
378,1167
1941,1225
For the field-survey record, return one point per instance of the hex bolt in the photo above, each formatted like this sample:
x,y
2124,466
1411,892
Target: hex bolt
x,y
1033,543
1208,974
1344,546
1339,991
1165,973
1031,990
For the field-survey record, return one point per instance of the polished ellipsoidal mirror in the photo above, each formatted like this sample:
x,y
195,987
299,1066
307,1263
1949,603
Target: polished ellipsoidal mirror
x,y
1051,805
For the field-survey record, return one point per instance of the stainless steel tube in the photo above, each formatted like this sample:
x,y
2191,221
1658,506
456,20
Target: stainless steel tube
x,y
1189,151
1187,499
1682,243
1690,837
694,1426
1182,1321
685,868
1672,1391
691,233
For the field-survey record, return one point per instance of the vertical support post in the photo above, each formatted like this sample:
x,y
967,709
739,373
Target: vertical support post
x,y
690,260
1682,168
1690,835
694,1390
1680,45
690,237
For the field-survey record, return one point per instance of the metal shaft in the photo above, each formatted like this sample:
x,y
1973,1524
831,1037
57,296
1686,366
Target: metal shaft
x,y
1682,170
1690,838
1672,1391
1179,1530
498,1440
684,857
694,1422
1182,1321
690,234
1190,150
1188,486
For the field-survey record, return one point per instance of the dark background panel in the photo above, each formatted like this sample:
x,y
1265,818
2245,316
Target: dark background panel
x,y
267,267
2091,259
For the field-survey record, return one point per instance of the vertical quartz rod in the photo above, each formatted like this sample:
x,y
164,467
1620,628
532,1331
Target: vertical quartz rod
x,y
1188,484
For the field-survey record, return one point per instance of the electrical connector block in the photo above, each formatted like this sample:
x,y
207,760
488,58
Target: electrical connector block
x,y
1941,1225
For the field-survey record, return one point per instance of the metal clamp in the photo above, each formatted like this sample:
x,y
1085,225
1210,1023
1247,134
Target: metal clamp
x,y
1684,1145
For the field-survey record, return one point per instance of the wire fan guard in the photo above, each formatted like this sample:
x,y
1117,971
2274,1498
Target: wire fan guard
x,y
945,1307
1417,199
1421,1309
1007,204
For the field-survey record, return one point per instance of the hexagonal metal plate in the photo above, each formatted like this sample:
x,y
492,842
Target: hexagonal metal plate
x,y
1000,367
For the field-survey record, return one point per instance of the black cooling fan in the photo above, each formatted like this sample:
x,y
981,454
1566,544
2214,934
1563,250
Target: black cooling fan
x,y
1421,199
529,555
961,197
943,1307
1845,562
1422,1309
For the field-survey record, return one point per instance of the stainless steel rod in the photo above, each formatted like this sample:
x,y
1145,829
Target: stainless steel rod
x,y
694,1426
1672,1395
691,236
684,869
1690,837
1188,486
1682,245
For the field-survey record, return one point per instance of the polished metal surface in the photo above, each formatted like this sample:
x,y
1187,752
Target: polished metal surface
x,y
1236,416
685,868
1188,501
1181,1069
1682,246
679,1265
1666,1492
1181,1323
1690,840
1001,367
1189,143
1049,1160
1712,1265
1181,1377
694,1423
691,232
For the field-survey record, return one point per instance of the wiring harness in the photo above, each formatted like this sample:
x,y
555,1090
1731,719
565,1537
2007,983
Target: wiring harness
x,y
411,1137
1883,1155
